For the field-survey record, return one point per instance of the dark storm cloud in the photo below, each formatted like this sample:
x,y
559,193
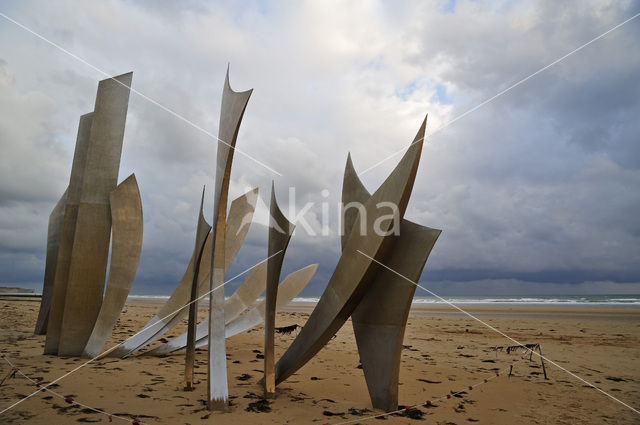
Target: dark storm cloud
x,y
537,188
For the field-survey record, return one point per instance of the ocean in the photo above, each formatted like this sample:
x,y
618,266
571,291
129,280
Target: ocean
x,y
612,300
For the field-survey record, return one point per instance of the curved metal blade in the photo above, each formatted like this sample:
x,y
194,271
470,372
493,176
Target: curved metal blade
x,y
288,289
242,299
54,235
126,244
280,231
382,314
231,113
354,271
90,252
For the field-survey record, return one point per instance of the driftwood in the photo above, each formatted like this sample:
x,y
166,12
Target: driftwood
x,y
526,348
513,348
530,348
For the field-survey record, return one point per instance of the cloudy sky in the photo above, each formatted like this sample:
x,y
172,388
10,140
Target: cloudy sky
x,y
537,191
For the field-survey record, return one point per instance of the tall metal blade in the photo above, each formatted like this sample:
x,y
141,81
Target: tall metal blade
x,y
354,271
126,217
231,112
280,231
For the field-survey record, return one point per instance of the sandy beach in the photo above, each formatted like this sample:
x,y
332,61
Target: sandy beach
x,y
445,353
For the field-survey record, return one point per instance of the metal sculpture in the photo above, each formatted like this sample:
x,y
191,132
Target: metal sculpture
x,y
170,314
61,278
126,215
54,233
288,289
202,230
90,252
242,299
280,231
78,319
354,272
380,319
231,112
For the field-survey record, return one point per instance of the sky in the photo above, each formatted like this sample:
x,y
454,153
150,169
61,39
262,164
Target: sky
x,y
536,191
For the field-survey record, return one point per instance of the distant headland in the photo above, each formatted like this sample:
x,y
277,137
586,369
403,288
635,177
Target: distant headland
x,y
11,290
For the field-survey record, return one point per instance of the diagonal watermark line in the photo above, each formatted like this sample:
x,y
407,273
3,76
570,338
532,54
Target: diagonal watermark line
x,y
492,98
498,331
141,330
158,104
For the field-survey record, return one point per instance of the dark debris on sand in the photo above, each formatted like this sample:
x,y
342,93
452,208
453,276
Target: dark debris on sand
x,y
429,381
252,395
260,406
411,413
329,413
358,412
132,416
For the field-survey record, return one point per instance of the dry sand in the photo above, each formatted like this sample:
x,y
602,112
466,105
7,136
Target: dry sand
x,y
445,351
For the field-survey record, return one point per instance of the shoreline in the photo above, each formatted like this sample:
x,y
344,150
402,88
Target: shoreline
x,y
583,309
626,314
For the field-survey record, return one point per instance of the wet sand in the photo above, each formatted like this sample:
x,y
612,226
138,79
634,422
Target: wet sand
x,y
444,351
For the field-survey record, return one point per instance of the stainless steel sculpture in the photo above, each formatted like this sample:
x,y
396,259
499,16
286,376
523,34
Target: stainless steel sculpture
x,y
202,230
380,319
231,112
90,251
170,314
354,272
54,234
68,232
78,319
246,294
126,216
280,231
288,289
